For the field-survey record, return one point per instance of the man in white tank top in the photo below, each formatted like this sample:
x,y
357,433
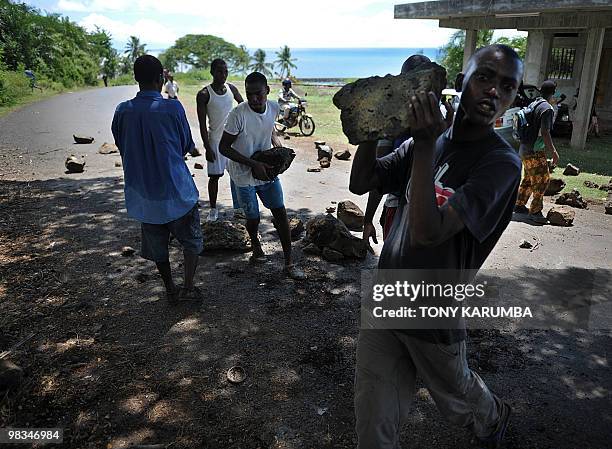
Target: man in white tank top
x,y
215,102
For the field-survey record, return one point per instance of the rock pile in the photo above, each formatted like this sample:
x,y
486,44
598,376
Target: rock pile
x,y
225,236
573,199
329,237
351,215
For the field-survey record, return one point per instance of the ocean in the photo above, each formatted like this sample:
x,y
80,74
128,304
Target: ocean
x,y
331,63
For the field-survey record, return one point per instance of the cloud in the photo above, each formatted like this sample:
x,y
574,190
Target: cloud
x,y
150,32
68,5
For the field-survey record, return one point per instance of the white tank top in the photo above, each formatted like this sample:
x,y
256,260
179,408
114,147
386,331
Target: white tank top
x,y
218,107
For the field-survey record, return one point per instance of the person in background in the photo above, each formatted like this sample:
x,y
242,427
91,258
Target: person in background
x,y
285,95
171,88
153,136
214,103
533,155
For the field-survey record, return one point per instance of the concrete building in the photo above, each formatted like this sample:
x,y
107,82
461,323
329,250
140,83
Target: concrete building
x,y
569,41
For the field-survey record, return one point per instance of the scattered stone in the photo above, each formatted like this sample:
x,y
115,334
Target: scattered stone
x,y
236,375
571,170
127,251
108,148
313,169
573,199
74,165
118,164
375,108
591,184
331,255
343,155
608,204
606,187
551,166
328,231
10,375
330,210
561,216
351,215
525,244
287,137
324,152
225,236
280,158
82,139
198,166
555,185
324,163
319,143
313,249
296,227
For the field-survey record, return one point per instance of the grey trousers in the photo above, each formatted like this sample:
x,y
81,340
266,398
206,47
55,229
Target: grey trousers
x,y
387,365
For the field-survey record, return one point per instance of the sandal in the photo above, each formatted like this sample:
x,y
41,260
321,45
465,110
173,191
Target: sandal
x,y
191,294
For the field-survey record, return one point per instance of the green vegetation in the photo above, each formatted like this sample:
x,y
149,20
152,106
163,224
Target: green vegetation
x,y
451,55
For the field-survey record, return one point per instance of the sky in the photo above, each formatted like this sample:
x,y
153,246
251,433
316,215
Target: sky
x,y
263,24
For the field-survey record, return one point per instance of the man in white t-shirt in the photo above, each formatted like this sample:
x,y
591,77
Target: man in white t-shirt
x,y
214,103
171,87
250,128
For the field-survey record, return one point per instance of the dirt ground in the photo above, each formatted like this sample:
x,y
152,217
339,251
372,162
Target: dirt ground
x,y
114,365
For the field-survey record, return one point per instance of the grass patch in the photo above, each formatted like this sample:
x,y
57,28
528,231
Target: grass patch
x,y
595,158
577,182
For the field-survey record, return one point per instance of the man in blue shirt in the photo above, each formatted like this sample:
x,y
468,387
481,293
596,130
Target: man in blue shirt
x,y
153,136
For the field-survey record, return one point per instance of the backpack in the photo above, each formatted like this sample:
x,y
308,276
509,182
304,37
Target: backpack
x,y
524,122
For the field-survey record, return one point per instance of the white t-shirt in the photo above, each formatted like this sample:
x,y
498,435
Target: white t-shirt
x,y
253,133
171,88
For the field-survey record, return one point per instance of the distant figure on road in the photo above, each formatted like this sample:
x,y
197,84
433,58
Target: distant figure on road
x,y
171,88
32,78
153,136
250,128
214,102
105,80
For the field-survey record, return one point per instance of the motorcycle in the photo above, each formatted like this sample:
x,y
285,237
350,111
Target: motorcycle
x,y
297,117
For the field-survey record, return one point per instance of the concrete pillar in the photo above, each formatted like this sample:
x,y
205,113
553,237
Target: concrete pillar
x,y
588,79
470,46
537,56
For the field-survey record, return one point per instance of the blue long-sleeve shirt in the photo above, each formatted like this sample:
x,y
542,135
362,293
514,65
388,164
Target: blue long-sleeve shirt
x,y
153,136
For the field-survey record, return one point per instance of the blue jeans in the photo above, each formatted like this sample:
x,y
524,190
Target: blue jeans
x,y
271,195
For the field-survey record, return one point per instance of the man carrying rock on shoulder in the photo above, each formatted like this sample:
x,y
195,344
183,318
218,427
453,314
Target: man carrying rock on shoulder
x,y
458,189
250,128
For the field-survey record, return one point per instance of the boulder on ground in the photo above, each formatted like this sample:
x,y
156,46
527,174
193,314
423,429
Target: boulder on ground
x,y
198,166
324,163
351,215
313,169
526,244
108,148
118,164
328,232
296,227
571,170
324,152
591,184
82,139
343,155
74,164
555,185
573,199
10,375
608,204
225,236
313,249
331,255
127,251
561,216
319,143
375,108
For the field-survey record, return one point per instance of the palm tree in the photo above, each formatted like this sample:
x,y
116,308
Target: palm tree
x,y
134,49
260,64
285,62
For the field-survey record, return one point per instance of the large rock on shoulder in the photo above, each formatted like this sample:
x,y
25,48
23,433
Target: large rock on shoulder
x,y
225,236
375,108
571,170
555,185
329,232
351,215
561,216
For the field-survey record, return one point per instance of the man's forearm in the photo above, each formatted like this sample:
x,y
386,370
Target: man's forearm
x,y
235,156
204,135
425,217
363,171
374,198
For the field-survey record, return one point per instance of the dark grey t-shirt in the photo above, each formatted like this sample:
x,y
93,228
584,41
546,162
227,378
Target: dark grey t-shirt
x,y
480,181
544,118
